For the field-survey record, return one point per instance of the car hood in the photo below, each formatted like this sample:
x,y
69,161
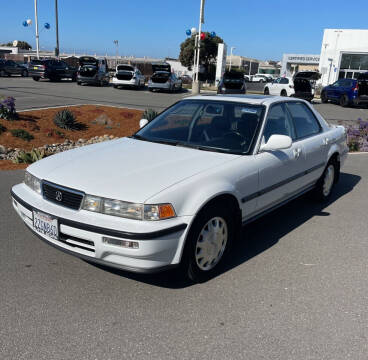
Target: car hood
x,y
126,169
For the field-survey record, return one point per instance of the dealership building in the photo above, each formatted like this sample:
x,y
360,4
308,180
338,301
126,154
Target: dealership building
x,y
344,54
293,63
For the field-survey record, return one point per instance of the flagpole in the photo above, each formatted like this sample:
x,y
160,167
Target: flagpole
x,y
37,36
196,87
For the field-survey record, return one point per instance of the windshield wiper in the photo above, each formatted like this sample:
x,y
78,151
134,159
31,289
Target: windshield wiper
x,y
209,148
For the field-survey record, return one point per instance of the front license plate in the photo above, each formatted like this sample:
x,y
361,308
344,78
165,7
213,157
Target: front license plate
x,y
45,224
35,68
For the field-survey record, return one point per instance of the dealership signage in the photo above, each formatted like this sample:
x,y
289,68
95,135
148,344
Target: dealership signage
x,y
303,59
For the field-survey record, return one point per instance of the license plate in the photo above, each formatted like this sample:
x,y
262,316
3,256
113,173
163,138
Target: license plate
x,y
45,224
35,68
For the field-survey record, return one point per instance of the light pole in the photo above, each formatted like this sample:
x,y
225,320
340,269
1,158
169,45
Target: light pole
x,y
116,42
37,35
57,28
195,86
231,55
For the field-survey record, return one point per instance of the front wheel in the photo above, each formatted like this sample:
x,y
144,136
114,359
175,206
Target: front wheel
x,y
208,242
24,73
35,78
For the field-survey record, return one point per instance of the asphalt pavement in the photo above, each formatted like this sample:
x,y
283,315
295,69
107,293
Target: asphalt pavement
x,y
295,288
30,94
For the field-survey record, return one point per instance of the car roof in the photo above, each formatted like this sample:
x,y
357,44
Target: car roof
x,y
247,99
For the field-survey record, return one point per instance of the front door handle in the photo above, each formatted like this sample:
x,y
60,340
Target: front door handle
x,y
297,153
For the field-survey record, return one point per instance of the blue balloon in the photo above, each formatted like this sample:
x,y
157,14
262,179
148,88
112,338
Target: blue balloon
x,y
47,26
188,32
212,34
24,23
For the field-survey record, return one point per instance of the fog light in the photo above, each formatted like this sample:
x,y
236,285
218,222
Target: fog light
x,y
122,243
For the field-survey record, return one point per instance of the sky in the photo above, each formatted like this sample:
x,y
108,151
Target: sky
x,y
155,28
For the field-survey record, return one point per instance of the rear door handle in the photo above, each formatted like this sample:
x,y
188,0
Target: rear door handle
x,y
297,153
326,141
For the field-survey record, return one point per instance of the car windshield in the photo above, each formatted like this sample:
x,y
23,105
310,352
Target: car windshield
x,y
221,126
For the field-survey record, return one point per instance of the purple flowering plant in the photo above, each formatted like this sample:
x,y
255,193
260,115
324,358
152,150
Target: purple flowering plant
x,y
358,136
7,108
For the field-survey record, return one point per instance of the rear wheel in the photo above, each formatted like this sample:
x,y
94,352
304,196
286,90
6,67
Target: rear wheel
x,y
2,73
79,83
327,181
283,93
266,91
35,78
344,100
208,242
324,98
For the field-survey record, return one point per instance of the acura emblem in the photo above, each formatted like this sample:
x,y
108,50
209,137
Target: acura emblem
x,y
58,196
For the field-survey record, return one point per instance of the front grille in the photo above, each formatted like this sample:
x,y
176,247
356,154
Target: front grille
x,y
62,196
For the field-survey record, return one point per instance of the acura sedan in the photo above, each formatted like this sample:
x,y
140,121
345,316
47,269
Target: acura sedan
x,y
178,191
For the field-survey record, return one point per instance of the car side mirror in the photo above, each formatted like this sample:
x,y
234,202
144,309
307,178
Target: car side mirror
x,y
277,142
143,122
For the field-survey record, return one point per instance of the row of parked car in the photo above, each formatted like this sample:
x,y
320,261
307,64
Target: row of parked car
x,y
345,92
94,71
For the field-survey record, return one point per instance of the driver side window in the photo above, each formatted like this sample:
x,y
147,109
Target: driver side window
x,y
278,123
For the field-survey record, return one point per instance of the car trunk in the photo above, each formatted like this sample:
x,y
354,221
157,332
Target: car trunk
x,y
88,66
363,86
161,67
302,86
160,77
233,80
124,72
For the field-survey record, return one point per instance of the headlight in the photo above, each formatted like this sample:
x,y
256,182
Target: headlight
x,y
33,182
128,210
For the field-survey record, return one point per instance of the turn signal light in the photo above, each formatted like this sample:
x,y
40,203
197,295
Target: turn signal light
x,y
166,211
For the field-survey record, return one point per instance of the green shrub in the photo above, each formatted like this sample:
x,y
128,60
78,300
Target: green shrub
x,y
149,114
2,129
29,157
23,134
65,119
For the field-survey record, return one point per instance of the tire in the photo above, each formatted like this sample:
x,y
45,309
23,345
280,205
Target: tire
x,y
74,79
214,248
24,73
283,93
79,83
344,101
115,86
266,91
327,181
324,98
261,81
2,73
35,78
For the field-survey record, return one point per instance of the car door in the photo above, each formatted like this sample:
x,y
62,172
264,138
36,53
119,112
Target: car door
x,y
274,87
334,91
279,171
312,139
9,68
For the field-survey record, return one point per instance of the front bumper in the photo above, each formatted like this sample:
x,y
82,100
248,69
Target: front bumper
x,y
81,233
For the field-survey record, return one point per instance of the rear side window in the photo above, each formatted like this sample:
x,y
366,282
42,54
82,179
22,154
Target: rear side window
x,y
305,123
284,81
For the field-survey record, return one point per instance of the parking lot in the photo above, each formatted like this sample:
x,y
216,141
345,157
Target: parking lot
x,y
31,94
295,287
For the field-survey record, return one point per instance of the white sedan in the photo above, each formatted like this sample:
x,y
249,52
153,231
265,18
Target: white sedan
x,y
178,191
127,75
282,86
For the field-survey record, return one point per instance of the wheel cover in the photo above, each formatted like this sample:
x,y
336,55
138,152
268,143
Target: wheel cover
x,y
211,243
328,180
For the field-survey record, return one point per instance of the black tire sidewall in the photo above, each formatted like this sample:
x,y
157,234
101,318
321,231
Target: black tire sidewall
x,y
324,98
189,261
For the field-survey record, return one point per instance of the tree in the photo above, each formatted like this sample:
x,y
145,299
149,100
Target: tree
x,y
208,53
21,45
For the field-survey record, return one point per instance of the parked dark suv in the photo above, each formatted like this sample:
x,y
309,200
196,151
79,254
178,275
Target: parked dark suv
x,y
347,91
10,67
232,82
304,84
51,69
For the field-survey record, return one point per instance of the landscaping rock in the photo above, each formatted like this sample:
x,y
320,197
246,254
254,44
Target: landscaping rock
x,y
3,149
102,119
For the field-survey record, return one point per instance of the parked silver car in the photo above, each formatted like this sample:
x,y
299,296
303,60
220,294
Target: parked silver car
x,y
163,78
127,75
